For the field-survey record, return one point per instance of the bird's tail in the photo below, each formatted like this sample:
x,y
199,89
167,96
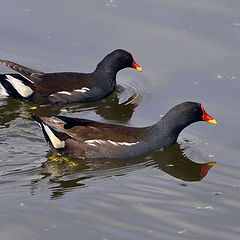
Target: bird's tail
x,y
50,134
16,86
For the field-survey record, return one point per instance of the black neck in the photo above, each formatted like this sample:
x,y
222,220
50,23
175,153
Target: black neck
x,y
106,76
107,70
166,131
111,64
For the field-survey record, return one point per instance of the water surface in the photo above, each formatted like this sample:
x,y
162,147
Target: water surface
x,y
189,50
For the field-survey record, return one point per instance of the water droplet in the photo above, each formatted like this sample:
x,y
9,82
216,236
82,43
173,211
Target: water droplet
x,y
183,231
209,207
219,76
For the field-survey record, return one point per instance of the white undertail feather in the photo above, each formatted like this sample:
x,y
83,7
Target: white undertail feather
x,y
56,142
22,89
3,91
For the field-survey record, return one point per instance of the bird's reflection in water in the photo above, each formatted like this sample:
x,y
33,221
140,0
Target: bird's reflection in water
x,y
113,107
173,162
66,173
118,106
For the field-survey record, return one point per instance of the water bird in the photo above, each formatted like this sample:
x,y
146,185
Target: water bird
x,y
65,87
83,138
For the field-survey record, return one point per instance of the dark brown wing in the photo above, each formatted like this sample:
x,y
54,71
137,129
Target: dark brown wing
x,y
31,74
90,139
48,83
83,129
63,81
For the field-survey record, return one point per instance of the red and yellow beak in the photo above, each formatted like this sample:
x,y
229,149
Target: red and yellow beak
x,y
136,66
207,117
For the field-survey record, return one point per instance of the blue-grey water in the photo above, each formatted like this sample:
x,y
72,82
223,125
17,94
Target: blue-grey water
x,y
189,50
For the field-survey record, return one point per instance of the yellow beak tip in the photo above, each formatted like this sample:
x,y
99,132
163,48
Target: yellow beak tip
x,y
139,69
212,121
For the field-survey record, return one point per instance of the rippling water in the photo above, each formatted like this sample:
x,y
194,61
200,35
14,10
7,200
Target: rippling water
x,y
189,50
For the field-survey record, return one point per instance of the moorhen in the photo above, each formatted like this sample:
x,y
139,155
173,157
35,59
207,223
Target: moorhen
x,y
65,87
82,138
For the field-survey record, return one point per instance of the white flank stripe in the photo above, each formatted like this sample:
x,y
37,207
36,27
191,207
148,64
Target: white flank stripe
x,y
23,90
65,92
112,142
122,143
127,144
82,90
3,91
56,142
94,142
